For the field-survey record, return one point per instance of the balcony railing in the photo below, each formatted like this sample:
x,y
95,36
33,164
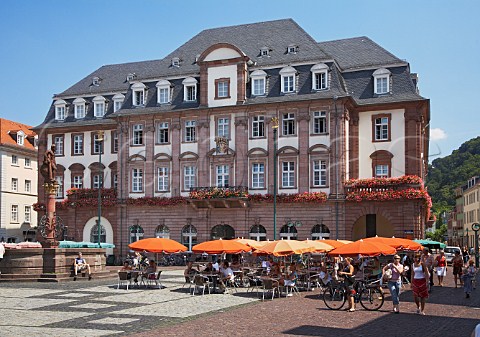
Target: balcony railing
x,y
218,192
382,188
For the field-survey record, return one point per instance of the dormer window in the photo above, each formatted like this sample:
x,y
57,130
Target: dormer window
x,y
138,94
265,51
60,106
99,106
319,76
381,81
79,108
131,77
189,89
288,77
292,49
96,81
118,101
20,138
175,62
259,81
163,91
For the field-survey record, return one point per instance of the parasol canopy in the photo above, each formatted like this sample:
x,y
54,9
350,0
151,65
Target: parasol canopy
x,y
319,246
158,245
251,243
334,243
397,243
221,247
431,244
363,248
285,247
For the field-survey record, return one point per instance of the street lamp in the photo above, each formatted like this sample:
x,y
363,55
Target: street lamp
x,y
100,138
275,129
475,228
336,167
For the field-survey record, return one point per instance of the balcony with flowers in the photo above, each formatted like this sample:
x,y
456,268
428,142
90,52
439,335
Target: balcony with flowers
x,y
219,197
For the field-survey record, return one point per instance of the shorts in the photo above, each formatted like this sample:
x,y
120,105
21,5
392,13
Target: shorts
x,y
457,270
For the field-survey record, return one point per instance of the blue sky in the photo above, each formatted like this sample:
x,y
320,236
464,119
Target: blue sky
x,y
47,46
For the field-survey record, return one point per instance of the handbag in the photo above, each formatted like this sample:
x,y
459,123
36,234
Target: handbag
x,y
387,275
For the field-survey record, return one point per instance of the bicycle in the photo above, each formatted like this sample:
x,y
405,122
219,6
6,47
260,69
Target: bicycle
x,y
367,293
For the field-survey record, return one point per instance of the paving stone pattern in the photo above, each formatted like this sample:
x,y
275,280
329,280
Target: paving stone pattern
x,y
98,308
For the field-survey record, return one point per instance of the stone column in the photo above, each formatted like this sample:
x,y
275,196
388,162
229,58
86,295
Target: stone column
x,y
241,149
50,233
176,169
203,141
149,154
303,135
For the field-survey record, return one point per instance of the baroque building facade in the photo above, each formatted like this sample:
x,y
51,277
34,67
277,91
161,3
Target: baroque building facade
x,y
189,141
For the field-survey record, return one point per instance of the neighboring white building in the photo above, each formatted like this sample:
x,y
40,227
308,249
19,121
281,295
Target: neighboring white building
x,y
18,182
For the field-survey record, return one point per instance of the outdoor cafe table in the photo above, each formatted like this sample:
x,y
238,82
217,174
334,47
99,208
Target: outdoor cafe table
x,y
214,278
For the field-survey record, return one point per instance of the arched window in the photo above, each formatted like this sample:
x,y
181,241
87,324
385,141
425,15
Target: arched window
x,y
320,231
258,232
162,231
222,232
189,236
94,234
289,231
136,233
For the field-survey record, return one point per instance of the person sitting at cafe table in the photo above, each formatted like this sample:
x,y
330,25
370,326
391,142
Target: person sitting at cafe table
x,y
80,264
235,264
189,271
151,270
226,275
291,278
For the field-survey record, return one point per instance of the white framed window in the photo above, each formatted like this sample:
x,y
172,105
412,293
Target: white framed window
x,y
28,163
60,107
176,62
288,174
14,213
59,194
288,124
381,128
319,122
14,160
137,180
115,181
15,184
99,106
258,126
114,141
222,175
292,49
163,91
77,182
381,81
28,214
258,175
288,76
20,138
265,51
223,127
118,100
58,141
97,143
96,81
189,89
162,133
259,80
381,171
28,186
138,94
78,144
137,138
79,108
319,76
222,88
189,177
190,131
163,179
319,173
97,180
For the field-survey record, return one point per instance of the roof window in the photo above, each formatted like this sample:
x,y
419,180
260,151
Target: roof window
x,y
131,77
265,51
292,49
96,81
176,62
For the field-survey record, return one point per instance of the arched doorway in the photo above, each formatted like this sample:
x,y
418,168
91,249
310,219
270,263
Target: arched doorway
x,y
222,231
370,225
106,231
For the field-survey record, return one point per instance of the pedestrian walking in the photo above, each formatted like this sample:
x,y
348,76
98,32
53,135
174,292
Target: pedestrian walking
x,y
441,267
457,263
468,276
428,261
347,273
465,254
395,282
419,283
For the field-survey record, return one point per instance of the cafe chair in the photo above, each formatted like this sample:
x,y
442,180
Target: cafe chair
x,y
201,282
270,286
291,289
123,278
154,278
189,279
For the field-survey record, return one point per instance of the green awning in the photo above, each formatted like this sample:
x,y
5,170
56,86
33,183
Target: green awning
x,y
84,244
431,244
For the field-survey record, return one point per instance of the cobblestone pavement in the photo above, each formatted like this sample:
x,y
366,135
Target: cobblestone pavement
x,y
97,308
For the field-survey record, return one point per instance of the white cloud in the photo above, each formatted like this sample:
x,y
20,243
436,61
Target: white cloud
x,y
437,134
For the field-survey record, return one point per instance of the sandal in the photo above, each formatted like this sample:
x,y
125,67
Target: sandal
x,y
351,310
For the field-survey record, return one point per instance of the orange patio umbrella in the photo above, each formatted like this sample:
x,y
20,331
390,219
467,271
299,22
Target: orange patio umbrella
x,y
158,245
285,247
221,247
319,246
364,248
397,243
333,243
251,243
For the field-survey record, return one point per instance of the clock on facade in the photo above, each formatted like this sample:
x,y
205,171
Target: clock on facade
x,y
475,227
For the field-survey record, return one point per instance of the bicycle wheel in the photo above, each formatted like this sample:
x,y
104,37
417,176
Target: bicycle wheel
x,y
334,297
371,299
